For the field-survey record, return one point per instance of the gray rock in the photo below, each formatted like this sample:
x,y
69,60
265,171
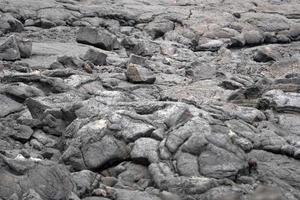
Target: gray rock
x,y
10,24
25,47
139,74
95,198
237,41
276,168
266,54
96,57
134,176
15,48
164,178
9,50
31,195
94,37
84,181
73,157
283,102
219,163
211,45
8,106
145,48
138,60
21,133
253,37
104,152
145,149
187,165
54,178
164,195
158,28
267,193
70,62
22,91
131,195
181,135
223,192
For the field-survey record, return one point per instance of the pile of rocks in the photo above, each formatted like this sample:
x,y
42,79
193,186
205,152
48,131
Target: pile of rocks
x,y
160,100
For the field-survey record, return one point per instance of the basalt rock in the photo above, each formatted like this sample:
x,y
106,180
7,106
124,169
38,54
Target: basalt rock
x,y
153,100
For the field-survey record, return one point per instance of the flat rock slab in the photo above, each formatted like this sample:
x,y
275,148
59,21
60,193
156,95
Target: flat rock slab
x,y
202,92
8,106
45,53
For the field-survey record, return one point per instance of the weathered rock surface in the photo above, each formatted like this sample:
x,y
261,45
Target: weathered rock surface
x,y
150,100
102,40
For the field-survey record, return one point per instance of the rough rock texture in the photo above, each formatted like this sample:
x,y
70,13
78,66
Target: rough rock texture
x,y
149,100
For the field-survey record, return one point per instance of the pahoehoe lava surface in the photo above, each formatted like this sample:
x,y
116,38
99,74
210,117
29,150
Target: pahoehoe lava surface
x,y
149,100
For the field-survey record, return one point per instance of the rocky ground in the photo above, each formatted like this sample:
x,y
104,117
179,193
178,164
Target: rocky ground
x,y
150,100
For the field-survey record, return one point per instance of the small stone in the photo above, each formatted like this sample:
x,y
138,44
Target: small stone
x,y
87,67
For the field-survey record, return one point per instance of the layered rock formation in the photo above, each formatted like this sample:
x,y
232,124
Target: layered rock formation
x,y
149,100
